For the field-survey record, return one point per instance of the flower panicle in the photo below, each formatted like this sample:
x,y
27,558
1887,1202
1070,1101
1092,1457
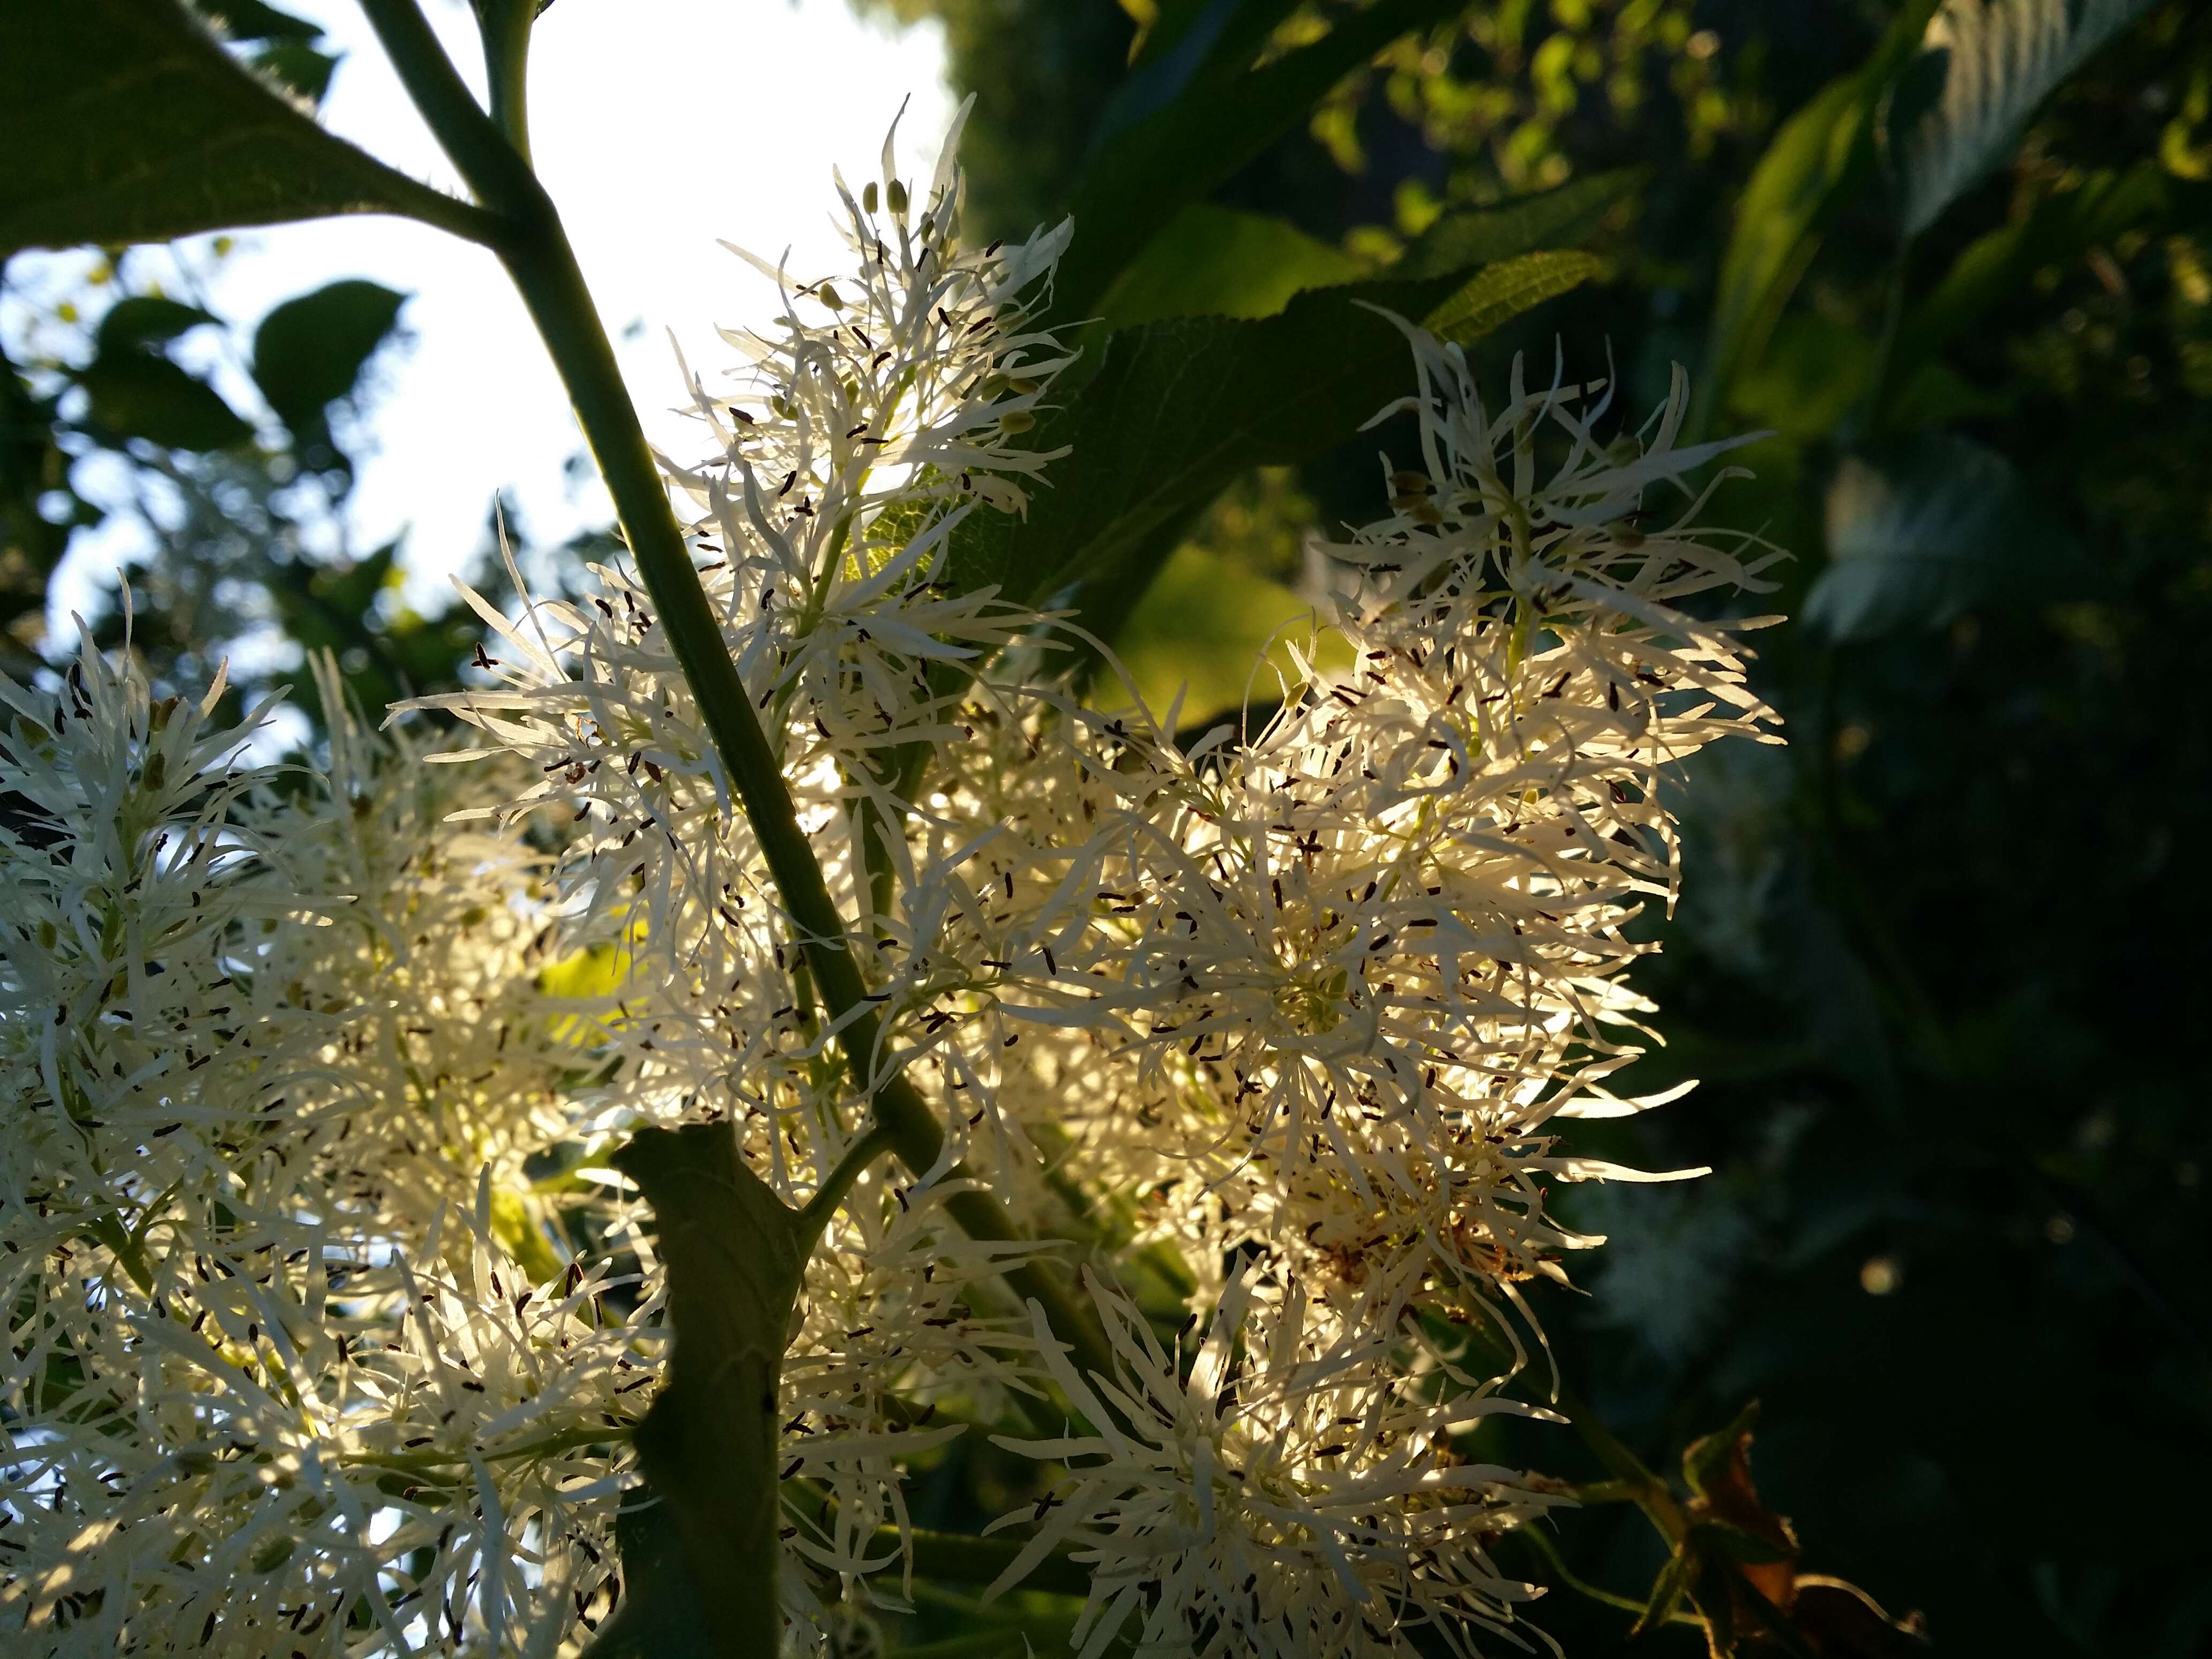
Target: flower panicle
x,y
1282,1032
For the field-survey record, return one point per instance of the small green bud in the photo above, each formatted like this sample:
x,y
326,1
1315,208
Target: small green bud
x,y
1016,420
830,297
896,192
157,770
868,196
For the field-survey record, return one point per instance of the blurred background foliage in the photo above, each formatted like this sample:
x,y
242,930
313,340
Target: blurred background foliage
x,y
1935,963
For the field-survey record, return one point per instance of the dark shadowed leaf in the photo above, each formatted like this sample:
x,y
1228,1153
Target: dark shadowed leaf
x,y
286,51
33,470
1189,43
1176,409
147,320
1197,115
1709,1462
1812,370
1173,410
1920,532
138,394
309,352
250,20
297,67
1668,1589
125,121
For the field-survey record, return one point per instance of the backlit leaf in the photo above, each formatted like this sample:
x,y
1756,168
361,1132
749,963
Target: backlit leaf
x,y
1216,262
1494,297
1999,59
1482,236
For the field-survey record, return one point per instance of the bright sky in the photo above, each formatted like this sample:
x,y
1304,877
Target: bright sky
x,y
659,126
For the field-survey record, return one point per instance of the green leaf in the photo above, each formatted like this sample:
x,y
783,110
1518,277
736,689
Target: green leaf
x,y
1494,297
147,320
299,68
735,1256
1999,59
1174,411
136,394
1199,123
1482,236
1668,1590
309,352
1820,152
250,20
1189,42
33,467
125,121
1199,631
1216,262
1920,532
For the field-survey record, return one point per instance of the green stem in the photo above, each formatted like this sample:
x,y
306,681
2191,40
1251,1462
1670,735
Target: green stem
x,y
414,1462
1533,1536
504,28
1646,1490
858,1156
127,1249
536,250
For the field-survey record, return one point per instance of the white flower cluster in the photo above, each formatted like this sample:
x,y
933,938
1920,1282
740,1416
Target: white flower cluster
x,y
288,1372
1284,1494
329,1324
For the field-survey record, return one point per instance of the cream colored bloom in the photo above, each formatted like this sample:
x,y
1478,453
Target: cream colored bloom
x,y
1287,1495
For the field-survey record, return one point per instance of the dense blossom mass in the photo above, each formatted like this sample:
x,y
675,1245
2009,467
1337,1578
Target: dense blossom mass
x,y
329,1322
